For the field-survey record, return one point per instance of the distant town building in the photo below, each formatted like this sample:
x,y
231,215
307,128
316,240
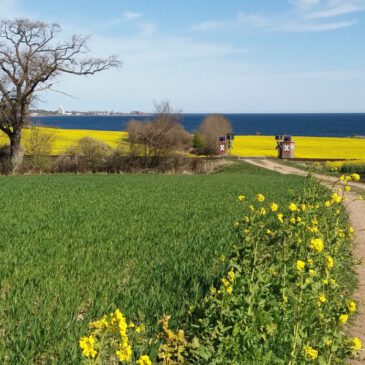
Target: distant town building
x,y
61,111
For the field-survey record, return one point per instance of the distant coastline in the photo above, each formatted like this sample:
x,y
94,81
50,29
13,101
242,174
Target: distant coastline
x,y
316,125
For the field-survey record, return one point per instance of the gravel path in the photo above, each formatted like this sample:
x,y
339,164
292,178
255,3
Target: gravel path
x,y
356,211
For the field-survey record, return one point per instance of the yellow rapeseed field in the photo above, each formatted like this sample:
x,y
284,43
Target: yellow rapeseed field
x,y
306,147
246,146
68,137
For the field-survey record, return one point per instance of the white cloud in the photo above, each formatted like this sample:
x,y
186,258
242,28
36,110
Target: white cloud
x,y
303,16
131,15
304,4
254,20
319,27
337,10
207,26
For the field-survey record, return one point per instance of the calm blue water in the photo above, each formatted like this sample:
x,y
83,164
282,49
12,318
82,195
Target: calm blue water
x,y
331,125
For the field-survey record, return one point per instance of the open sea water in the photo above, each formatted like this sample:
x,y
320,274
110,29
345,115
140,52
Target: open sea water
x,y
321,125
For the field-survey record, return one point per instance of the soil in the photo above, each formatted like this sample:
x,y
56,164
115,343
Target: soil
x,y
356,212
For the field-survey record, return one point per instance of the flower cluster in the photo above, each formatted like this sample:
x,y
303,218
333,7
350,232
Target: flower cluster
x,y
285,289
112,337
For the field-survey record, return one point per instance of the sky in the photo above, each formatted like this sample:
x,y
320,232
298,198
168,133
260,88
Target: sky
x,y
233,56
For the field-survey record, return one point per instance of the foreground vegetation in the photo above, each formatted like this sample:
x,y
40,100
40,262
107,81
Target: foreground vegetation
x,y
285,297
74,247
306,147
344,167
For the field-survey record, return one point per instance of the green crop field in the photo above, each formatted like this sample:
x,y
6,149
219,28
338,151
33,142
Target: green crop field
x,y
74,247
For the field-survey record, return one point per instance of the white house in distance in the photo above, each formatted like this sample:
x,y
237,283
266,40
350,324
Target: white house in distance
x,y
61,111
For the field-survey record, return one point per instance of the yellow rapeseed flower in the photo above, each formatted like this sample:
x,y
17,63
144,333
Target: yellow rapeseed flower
x,y
274,207
144,360
87,345
355,177
329,262
260,198
347,188
263,211
280,217
225,282
327,203
125,352
241,198
231,276
293,220
356,344
352,307
140,328
312,272
310,352
336,198
100,324
300,265
322,299
343,318
303,207
316,244
328,342
293,207
229,290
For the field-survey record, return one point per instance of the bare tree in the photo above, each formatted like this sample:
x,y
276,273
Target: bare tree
x,y
31,59
211,128
161,136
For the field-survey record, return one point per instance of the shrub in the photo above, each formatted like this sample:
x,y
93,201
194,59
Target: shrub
x,y
211,128
162,136
38,147
88,155
198,143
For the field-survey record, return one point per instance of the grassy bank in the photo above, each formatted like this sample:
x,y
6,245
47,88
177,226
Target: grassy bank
x,y
74,247
306,147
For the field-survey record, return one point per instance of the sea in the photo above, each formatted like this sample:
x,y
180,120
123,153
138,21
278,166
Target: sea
x,y
319,125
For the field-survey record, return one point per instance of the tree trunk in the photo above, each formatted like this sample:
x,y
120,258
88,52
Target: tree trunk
x,y
16,151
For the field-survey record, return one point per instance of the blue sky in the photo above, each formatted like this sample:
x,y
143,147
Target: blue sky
x,y
213,56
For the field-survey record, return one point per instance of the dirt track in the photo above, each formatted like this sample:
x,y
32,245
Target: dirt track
x,y
356,211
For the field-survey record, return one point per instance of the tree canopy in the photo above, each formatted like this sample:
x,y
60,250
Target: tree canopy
x,y
31,59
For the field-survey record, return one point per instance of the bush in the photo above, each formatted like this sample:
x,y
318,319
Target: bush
x,y
89,155
162,136
38,148
211,128
198,143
